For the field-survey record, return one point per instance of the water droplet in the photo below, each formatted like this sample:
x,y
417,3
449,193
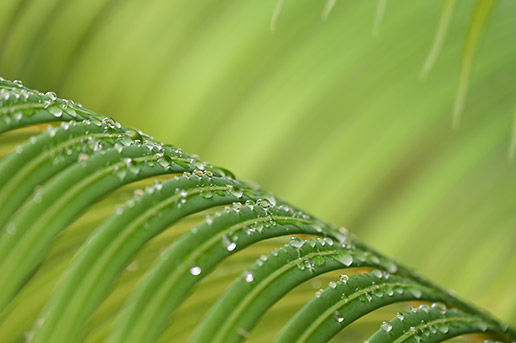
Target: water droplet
x,y
195,270
249,277
377,273
346,259
386,326
122,174
319,260
415,292
440,306
231,246
339,317
236,192
164,163
55,111
443,329
51,95
207,194
389,291
391,267
296,242
482,326
424,307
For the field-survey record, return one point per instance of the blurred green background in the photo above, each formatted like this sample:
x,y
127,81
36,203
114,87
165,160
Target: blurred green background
x,y
325,114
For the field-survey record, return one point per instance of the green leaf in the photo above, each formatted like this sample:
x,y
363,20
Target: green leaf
x,y
440,35
347,300
429,324
273,276
170,281
113,244
481,13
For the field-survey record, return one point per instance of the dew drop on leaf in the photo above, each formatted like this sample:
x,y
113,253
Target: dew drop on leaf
x,y
346,259
415,292
195,270
249,277
55,111
386,327
443,329
231,246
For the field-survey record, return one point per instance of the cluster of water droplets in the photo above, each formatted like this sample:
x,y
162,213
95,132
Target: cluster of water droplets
x,y
262,209
437,319
18,102
307,251
361,257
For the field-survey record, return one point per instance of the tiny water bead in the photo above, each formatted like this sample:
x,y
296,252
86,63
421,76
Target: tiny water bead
x,y
415,292
55,111
231,246
249,277
228,243
346,259
195,270
391,267
439,306
344,278
443,328
377,273
296,242
387,327
424,307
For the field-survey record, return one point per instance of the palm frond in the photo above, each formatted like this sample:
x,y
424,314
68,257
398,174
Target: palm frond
x,y
71,167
